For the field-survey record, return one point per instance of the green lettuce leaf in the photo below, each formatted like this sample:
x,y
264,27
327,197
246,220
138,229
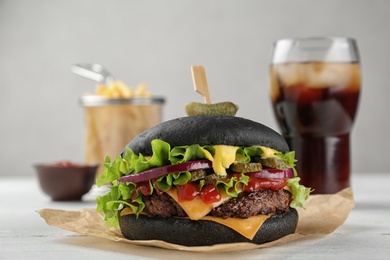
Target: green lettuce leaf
x,y
111,171
180,154
231,187
289,160
299,192
164,183
160,157
244,154
112,202
132,163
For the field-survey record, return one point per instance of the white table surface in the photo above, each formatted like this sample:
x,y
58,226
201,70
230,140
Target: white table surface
x,y
25,235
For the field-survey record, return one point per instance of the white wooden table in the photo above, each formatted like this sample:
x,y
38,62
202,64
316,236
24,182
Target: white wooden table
x,y
25,235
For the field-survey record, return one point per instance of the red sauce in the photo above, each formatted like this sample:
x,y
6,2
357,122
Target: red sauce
x,y
256,184
209,194
63,164
187,191
144,188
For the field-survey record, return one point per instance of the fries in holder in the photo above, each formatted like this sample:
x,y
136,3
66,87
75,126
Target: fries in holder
x,y
114,116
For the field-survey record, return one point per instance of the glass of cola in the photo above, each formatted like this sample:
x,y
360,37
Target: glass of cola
x,y
315,88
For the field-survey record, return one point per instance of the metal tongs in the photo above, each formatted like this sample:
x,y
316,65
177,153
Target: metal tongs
x,y
93,71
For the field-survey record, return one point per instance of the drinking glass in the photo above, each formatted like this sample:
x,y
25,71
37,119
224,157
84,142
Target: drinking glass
x,y
315,88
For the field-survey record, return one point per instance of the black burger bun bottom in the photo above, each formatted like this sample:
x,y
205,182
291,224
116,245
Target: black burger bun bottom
x,y
203,233
209,130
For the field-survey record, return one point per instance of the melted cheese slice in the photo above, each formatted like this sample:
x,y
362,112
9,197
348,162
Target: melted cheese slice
x,y
268,152
224,156
246,227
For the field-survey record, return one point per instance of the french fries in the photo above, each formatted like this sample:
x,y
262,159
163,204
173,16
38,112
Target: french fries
x,y
109,127
118,89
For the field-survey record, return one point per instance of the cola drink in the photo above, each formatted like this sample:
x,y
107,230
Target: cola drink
x,y
315,104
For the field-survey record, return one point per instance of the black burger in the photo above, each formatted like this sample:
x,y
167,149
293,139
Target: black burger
x,y
203,180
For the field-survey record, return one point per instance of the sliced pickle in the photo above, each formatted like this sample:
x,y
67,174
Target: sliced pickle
x,y
198,175
222,108
246,167
213,178
273,162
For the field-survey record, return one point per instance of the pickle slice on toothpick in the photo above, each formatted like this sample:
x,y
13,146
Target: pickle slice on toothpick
x,y
207,108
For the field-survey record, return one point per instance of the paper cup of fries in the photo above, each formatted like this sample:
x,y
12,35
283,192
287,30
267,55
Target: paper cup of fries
x,y
114,116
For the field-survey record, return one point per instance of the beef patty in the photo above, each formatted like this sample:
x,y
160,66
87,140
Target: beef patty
x,y
264,201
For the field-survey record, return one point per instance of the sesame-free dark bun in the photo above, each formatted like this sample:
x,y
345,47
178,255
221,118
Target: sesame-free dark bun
x,y
209,130
203,232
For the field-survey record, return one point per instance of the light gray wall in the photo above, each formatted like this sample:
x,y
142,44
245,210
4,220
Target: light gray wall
x,y
157,42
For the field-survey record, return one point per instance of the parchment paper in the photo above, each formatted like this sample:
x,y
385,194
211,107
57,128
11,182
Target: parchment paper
x,y
323,215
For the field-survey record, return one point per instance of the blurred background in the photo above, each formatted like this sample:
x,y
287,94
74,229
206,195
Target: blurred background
x,y
157,42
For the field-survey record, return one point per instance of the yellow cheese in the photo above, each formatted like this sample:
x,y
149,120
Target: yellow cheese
x,y
246,227
126,211
268,152
224,156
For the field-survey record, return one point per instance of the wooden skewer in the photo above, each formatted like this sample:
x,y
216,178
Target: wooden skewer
x,y
200,82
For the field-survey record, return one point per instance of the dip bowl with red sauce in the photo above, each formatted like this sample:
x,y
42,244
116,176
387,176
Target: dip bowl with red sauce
x,y
65,180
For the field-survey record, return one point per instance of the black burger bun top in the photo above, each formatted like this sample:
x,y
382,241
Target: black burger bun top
x,y
209,130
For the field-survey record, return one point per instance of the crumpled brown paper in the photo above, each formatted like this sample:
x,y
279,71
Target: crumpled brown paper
x,y
323,215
